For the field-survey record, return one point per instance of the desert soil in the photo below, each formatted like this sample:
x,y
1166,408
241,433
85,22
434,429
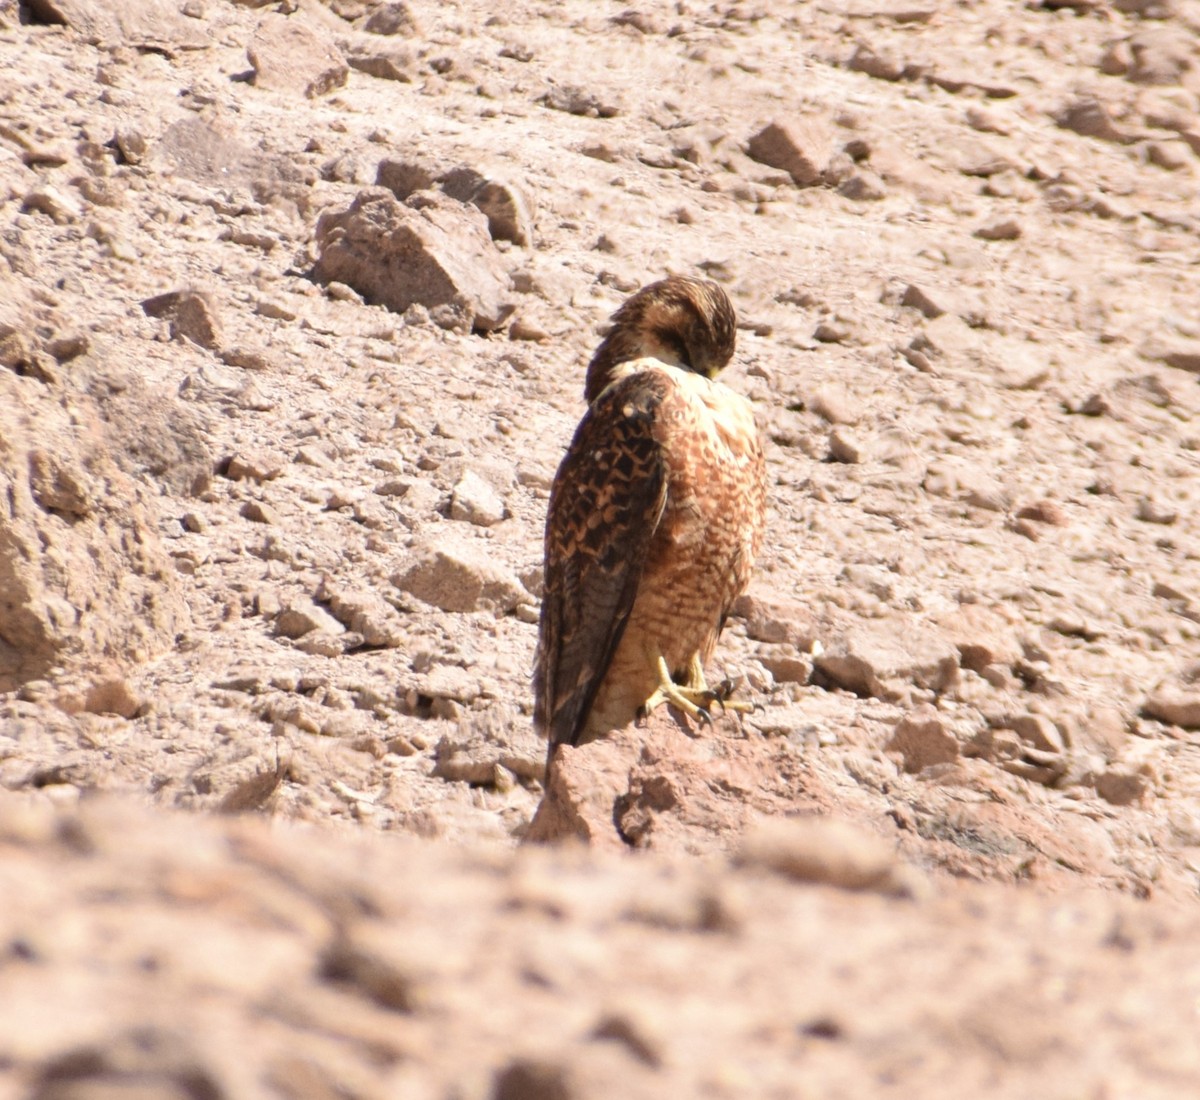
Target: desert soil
x,y
295,303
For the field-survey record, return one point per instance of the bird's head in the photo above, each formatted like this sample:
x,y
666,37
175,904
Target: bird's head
x,y
684,322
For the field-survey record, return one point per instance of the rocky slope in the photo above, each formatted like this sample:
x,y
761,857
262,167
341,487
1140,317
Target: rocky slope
x,y
294,308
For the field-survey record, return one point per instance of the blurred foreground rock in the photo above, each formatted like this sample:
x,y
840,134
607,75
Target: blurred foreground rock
x,y
177,956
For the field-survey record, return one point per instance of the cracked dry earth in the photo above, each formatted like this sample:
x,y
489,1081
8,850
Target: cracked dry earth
x,y
295,304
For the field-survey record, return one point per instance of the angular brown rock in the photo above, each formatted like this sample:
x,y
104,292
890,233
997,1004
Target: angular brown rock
x,y
430,251
923,739
289,56
1175,706
457,576
191,314
1089,117
657,784
801,147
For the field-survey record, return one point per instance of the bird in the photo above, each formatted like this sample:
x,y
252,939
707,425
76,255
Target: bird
x,y
656,516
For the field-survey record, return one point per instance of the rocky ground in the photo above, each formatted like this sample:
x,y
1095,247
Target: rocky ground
x,y
295,302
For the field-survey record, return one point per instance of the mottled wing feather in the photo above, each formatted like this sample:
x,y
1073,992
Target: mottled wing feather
x,y
607,501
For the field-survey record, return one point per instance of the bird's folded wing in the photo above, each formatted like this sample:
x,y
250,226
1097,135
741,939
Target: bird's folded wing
x,y
606,504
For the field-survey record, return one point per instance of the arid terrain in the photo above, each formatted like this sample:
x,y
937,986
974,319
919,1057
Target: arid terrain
x,y
295,305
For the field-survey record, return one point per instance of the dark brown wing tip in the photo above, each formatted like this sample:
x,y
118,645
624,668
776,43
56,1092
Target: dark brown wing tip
x,y
613,467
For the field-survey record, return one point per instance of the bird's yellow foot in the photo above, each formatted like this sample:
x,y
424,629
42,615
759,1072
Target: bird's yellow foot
x,y
695,698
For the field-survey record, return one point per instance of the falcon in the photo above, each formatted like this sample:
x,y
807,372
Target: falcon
x,y
656,516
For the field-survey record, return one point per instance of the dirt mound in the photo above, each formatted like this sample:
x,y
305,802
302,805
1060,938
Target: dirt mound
x,y
175,956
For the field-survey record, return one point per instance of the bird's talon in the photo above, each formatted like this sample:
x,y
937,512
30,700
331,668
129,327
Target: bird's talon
x,y
694,697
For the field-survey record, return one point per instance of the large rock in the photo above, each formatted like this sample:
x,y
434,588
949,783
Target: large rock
x,y
142,24
404,176
82,572
583,787
429,251
289,56
800,147
461,577
659,784
923,738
